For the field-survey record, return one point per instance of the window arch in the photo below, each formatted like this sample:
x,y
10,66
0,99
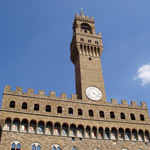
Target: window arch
x,y
112,115
70,111
142,117
86,27
80,112
40,129
101,114
121,134
24,105
134,135
15,145
57,128
127,134
65,129
74,148
132,116
48,129
107,133
146,136
48,108
94,132
32,126
73,130
122,115
24,126
113,133
56,147
100,133
80,131
88,132
91,113
36,146
12,104
15,125
36,107
59,109
141,135
7,125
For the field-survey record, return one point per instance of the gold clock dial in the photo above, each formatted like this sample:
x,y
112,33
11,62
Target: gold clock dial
x,y
93,93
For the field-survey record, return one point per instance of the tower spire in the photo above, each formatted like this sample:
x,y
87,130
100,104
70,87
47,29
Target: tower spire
x,y
81,12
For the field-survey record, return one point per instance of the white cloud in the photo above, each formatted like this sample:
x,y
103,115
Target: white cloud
x,y
143,74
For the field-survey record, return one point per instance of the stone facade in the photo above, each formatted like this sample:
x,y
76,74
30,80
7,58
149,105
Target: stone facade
x,y
48,122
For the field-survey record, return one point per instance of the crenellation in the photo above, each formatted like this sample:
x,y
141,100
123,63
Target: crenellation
x,y
63,95
114,101
41,92
124,102
133,103
30,91
143,104
52,94
18,91
73,97
7,88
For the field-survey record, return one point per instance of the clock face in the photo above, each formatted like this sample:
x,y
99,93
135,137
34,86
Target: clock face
x,y
93,93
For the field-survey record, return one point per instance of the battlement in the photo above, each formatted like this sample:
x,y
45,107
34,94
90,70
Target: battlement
x,y
63,96
84,18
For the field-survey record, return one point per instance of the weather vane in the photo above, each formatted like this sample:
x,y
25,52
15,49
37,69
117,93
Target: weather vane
x,y
81,12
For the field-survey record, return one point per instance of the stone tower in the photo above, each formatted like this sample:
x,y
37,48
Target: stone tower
x,y
86,49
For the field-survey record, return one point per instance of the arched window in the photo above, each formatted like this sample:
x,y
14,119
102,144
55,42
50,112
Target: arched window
x,y
101,114
24,105
127,134
132,116
36,146
70,111
94,132
36,107
32,126
86,27
48,108
24,126
40,129
112,115
122,115
146,136
56,147
64,129
59,109
16,145
141,135
80,112
142,117
121,134
7,124
100,133
80,131
12,104
113,133
107,133
134,135
15,125
73,130
91,113
87,132
48,129
74,148
57,129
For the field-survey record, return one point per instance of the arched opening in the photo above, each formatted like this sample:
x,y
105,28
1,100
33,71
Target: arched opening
x,y
56,147
132,116
24,126
91,113
87,132
59,109
73,130
40,129
65,129
86,28
15,125
57,129
112,115
141,135
32,126
48,108
70,111
74,148
36,107
12,104
24,105
48,129
142,117
146,136
80,112
36,146
101,114
107,135
121,134
134,135
80,131
122,115
100,133
94,132
7,125
16,145
127,134
113,134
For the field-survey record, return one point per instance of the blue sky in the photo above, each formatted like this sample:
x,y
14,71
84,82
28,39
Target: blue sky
x,y
35,41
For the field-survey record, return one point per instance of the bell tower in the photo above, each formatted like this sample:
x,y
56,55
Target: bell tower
x,y
86,49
